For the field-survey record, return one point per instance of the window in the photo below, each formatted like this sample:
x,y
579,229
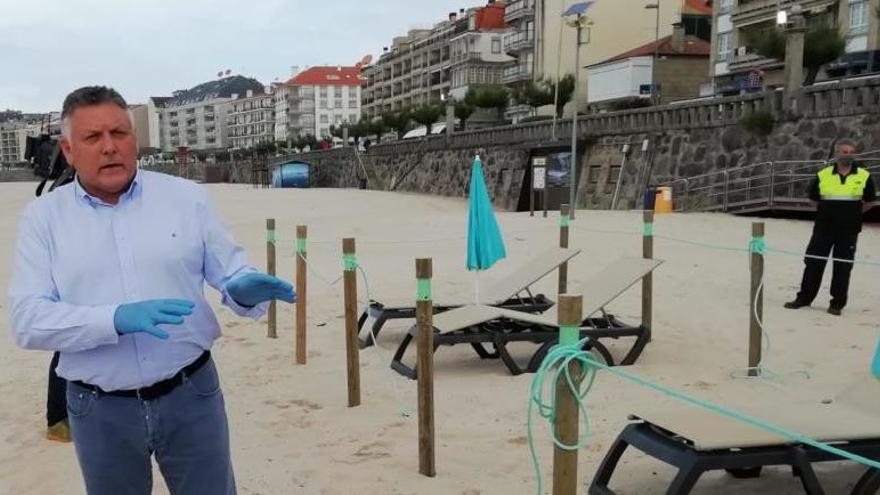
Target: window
x,y
337,104
323,104
858,16
325,119
323,91
337,91
725,5
496,45
352,117
723,45
337,118
352,103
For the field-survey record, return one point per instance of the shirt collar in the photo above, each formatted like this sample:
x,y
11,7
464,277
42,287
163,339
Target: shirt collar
x,y
133,189
853,169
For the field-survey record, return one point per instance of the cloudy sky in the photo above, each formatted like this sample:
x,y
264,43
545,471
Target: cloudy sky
x,y
152,47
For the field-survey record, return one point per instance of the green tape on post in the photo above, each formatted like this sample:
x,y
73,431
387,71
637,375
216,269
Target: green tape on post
x,y
350,261
564,220
423,289
300,245
758,246
569,334
270,236
649,230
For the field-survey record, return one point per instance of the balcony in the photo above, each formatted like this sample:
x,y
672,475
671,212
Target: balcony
x,y
519,42
301,109
519,10
460,58
742,61
517,73
753,12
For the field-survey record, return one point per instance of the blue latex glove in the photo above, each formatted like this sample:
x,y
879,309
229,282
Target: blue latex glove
x,y
255,288
145,315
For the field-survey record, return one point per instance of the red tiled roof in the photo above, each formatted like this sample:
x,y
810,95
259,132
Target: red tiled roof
x,y
697,7
693,47
328,76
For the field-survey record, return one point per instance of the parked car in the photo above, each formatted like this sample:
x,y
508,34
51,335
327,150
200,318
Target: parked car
x,y
855,63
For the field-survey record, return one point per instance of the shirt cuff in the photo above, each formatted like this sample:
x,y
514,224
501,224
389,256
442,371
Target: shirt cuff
x,y
248,312
101,329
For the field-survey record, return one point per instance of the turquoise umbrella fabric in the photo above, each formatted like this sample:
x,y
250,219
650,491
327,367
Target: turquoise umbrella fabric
x,y
484,243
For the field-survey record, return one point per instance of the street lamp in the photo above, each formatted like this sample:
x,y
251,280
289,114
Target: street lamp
x,y
575,17
656,7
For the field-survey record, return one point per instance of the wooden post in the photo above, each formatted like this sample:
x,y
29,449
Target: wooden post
x,y
756,301
564,218
351,344
301,294
566,425
648,280
270,269
425,367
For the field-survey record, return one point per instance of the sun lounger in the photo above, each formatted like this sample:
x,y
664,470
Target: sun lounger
x,y
697,440
479,325
511,292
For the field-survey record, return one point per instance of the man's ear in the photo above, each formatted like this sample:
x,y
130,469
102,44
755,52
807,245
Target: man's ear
x,y
65,148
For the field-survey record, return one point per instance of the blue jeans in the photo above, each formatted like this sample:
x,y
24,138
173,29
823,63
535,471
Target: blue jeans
x,y
186,430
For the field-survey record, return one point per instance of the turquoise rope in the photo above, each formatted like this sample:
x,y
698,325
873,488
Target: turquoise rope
x,y
564,220
758,246
562,356
270,236
423,289
648,230
300,245
350,261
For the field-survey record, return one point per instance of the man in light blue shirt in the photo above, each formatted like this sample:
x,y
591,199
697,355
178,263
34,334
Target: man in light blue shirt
x,y
110,271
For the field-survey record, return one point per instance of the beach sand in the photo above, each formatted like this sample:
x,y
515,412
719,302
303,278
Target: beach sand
x,y
292,431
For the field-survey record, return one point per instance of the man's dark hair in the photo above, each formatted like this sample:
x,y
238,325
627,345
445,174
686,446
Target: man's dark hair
x,y
91,95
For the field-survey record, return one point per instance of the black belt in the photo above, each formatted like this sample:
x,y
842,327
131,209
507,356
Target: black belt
x,y
157,389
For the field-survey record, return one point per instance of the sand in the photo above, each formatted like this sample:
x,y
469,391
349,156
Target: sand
x,y
292,431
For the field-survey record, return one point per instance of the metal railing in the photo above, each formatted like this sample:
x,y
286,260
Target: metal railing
x,y
766,186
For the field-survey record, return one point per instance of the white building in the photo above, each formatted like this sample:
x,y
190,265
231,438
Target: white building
x,y
251,119
281,93
13,139
196,118
320,97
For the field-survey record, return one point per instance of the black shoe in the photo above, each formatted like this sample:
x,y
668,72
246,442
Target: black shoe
x,y
834,311
796,304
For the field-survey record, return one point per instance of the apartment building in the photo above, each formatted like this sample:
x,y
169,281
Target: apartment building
x,y
196,118
545,46
736,68
321,96
251,119
425,64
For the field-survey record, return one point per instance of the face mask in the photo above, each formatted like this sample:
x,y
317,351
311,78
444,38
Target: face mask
x,y
845,160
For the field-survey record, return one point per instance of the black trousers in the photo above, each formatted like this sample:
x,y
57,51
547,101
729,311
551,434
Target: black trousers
x,y
56,404
824,241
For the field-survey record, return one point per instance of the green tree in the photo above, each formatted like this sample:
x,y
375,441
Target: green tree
x,y
566,92
463,111
488,96
379,128
822,44
427,115
398,121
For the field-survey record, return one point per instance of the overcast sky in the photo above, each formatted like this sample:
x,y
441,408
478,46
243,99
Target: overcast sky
x,y
151,47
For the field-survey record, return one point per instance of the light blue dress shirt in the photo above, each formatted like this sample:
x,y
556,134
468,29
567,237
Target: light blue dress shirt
x,y
77,258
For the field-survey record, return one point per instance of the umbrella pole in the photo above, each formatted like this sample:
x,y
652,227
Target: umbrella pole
x,y
476,286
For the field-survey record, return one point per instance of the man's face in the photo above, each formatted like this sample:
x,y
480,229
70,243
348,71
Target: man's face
x,y
845,154
102,148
